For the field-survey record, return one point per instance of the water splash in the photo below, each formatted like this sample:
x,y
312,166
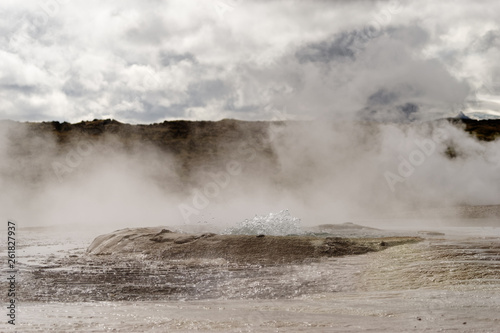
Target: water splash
x,y
274,224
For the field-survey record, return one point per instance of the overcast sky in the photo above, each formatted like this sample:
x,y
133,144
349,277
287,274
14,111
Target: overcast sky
x,y
145,61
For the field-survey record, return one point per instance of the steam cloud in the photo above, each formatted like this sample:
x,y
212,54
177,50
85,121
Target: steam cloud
x,y
395,64
322,172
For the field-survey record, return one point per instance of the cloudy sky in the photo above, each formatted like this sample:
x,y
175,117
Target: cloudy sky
x,y
144,61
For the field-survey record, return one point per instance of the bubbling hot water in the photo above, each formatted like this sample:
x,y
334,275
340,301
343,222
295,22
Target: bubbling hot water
x,y
273,224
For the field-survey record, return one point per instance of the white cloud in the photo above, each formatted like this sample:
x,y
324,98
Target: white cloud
x,y
146,61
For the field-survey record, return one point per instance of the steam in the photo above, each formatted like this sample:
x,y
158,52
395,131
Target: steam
x,y
323,172
105,184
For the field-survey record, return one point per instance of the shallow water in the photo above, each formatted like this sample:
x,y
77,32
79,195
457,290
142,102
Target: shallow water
x,y
445,283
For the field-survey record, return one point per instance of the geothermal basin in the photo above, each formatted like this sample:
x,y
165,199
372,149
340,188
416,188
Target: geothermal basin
x,y
343,278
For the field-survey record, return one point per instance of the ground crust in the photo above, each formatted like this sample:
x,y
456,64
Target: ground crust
x,y
163,244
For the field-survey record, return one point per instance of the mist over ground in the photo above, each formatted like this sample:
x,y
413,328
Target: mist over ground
x,y
104,173
346,93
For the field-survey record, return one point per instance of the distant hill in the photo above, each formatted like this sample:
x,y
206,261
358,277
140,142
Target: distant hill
x,y
485,130
195,145
198,139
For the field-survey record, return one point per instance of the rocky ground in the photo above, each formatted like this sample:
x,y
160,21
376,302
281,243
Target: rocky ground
x,y
156,264
449,281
